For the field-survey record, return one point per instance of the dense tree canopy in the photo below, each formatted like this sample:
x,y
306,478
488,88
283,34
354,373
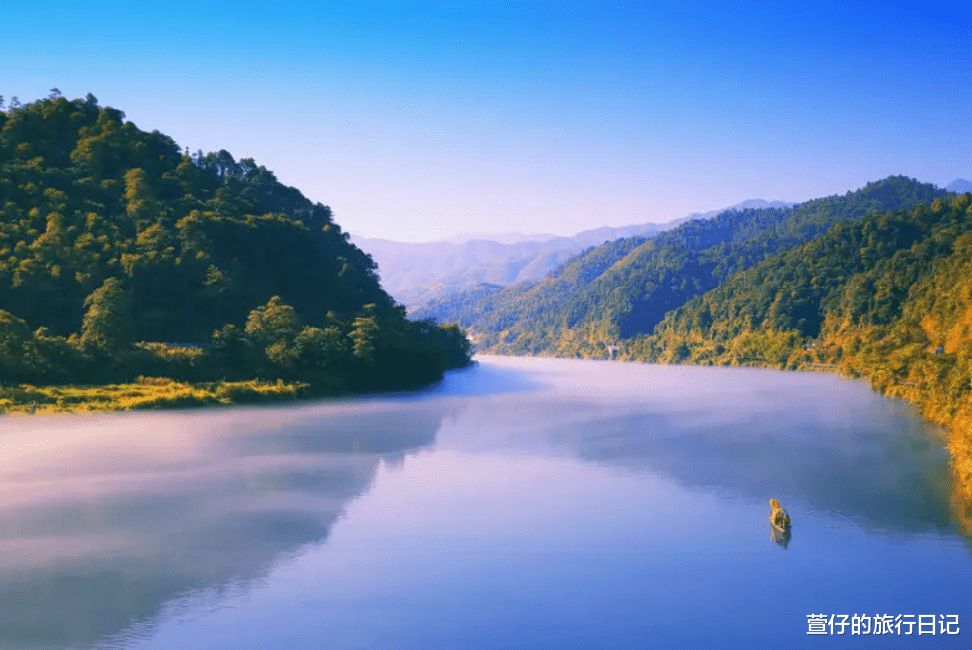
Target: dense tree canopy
x,y
110,236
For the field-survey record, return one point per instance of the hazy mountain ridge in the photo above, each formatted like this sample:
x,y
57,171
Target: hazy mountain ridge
x,y
959,186
416,273
573,313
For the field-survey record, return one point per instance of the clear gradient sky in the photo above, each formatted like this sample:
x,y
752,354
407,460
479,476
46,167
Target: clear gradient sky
x,y
417,121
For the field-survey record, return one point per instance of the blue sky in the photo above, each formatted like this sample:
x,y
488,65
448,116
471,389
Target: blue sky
x,y
417,121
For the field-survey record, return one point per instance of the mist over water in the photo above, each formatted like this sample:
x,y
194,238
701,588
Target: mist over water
x,y
521,503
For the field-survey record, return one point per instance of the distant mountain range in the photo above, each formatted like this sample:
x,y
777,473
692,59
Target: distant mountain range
x,y
416,273
959,186
621,289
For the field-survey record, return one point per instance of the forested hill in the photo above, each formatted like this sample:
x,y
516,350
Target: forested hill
x,y
906,275
623,289
121,256
889,298
417,273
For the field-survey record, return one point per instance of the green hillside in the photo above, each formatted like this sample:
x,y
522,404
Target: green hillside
x,y
122,256
888,299
623,289
503,316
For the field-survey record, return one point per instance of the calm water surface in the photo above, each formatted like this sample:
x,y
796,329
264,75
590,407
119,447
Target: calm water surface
x,y
521,504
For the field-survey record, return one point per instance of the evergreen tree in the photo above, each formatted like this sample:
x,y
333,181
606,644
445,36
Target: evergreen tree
x,y
108,324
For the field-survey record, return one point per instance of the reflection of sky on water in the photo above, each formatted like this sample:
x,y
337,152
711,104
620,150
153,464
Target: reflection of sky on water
x,y
830,444
516,485
453,550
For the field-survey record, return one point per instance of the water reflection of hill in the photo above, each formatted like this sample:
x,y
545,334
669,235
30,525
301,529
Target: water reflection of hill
x,y
893,480
830,446
130,512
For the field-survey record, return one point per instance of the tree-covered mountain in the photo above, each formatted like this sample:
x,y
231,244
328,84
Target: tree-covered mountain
x,y
418,273
110,236
888,298
623,289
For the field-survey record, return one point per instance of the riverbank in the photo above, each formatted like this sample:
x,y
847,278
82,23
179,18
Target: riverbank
x,y
145,393
928,381
937,405
931,380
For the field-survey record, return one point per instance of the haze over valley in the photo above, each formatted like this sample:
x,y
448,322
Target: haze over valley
x,y
415,273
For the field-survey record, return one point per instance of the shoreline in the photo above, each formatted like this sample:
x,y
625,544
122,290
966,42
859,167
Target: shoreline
x,y
147,393
957,424
162,393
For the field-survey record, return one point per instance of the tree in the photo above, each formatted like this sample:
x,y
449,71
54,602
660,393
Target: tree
x,y
274,322
364,335
320,348
455,347
16,343
140,204
108,323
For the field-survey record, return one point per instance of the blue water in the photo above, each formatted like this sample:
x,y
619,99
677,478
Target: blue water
x,y
524,503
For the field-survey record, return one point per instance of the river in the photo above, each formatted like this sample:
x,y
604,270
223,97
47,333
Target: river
x,y
522,503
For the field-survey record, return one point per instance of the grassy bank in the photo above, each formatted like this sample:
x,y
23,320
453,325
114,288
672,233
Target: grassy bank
x,y
145,393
